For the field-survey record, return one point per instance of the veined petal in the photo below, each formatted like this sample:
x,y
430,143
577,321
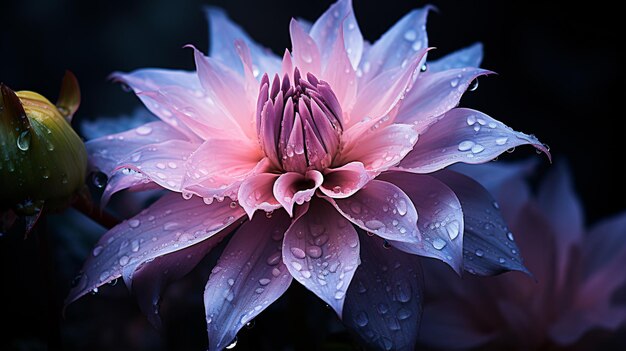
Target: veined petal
x,y
383,209
293,188
257,193
169,225
321,250
470,56
106,152
397,45
440,218
305,52
379,149
338,20
464,135
126,179
339,73
384,301
488,245
224,33
249,276
434,94
344,181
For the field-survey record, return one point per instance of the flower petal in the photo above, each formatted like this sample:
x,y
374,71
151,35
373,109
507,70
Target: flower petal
x,y
384,301
397,45
103,126
434,94
293,188
339,73
126,179
224,33
440,218
256,193
488,245
383,209
106,152
321,250
344,181
306,54
464,135
150,279
470,56
338,20
380,149
169,225
248,277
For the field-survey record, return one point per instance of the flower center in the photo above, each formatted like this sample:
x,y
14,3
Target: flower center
x,y
299,123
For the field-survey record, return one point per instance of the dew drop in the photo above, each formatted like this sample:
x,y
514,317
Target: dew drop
x,y
23,140
134,223
298,252
124,260
274,259
402,207
473,85
479,253
454,83
232,344
501,260
361,319
453,229
339,295
410,35
502,140
99,179
424,67
477,148
374,224
314,251
471,120
439,243
143,130
264,281
296,265
403,314
97,250
466,145
509,235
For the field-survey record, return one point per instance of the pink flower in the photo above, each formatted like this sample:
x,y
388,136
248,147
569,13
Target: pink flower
x,y
296,157
576,275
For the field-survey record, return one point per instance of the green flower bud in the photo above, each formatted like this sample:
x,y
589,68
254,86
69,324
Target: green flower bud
x,y
42,160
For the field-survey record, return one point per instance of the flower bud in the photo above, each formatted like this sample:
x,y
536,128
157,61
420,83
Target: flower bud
x,y
42,160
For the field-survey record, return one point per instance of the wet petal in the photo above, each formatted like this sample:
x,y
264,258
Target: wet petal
x,y
169,225
337,21
464,135
488,245
379,149
256,193
126,179
440,218
470,56
305,52
321,250
293,188
224,33
384,302
107,151
434,94
248,277
383,209
340,75
344,181
397,45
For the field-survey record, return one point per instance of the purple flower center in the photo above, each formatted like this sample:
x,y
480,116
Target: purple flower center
x,y
299,123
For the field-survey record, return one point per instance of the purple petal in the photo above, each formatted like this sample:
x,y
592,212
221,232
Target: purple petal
x,y
248,277
440,218
384,302
103,126
224,33
126,179
106,152
344,181
340,74
604,243
294,188
383,209
464,135
150,279
397,45
338,20
321,250
470,56
305,52
256,193
488,245
434,94
169,225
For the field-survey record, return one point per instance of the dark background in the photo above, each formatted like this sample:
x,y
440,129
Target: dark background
x,y
560,76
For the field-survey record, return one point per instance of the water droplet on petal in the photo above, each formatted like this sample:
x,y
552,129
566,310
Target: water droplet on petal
x,y
410,35
314,251
473,85
466,145
124,260
453,229
143,130
403,314
97,250
298,252
134,223
439,243
232,344
23,140
361,319
477,148
374,224
502,140
509,235
479,253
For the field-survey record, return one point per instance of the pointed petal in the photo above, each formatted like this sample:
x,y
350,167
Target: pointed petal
x,y
440,218
256,193
69,96
169,225
488,245
103,126
306,54
224,32
383,209
344,181
434,94
150,279
464,135
249,276
293,188
106,152
384,302
339,74
380,149
470,56
126,179
397,45
338,20
321,250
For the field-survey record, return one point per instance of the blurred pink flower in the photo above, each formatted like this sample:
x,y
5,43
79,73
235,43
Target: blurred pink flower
x,y
577,273
325,144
